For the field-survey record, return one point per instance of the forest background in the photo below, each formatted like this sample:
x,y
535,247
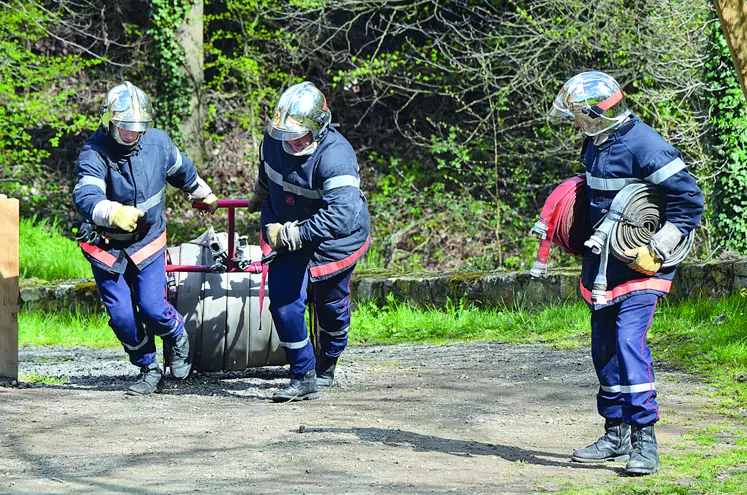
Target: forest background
x,y
445,103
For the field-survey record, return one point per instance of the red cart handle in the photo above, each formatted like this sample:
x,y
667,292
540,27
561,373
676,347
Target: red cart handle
x,y
223,203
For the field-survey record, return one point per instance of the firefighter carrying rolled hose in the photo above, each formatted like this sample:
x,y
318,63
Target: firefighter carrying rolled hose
x,y
123,169
620,150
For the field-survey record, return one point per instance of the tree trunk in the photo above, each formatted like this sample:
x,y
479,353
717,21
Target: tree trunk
x,y
733,17
190,35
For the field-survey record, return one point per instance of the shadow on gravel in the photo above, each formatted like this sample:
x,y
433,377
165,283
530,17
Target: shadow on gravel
x,y
223,384
460,448
102,475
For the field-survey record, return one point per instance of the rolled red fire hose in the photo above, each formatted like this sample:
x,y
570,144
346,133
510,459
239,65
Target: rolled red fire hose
x,y
564,221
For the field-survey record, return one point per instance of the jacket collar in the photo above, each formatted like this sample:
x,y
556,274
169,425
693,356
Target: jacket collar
x,y
621,131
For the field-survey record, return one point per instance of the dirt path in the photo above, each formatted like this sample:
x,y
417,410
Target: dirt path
x,y
468,418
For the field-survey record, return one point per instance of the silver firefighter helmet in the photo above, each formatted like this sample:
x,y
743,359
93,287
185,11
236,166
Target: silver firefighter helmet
x,y
128,108
594,99
302,109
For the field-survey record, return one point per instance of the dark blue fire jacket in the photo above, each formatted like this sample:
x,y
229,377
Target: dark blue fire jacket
x,y
135,177
321,191
636,151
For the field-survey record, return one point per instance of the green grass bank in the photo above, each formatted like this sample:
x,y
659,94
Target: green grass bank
x,y
46,254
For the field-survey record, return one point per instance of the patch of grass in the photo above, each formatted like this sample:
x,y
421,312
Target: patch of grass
x,y
65,328
693,473
45,253
706,333
397,323
35,378
709,436
710,338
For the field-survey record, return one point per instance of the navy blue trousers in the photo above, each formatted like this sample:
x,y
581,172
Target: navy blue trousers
x,y
623,361
288,277
138,308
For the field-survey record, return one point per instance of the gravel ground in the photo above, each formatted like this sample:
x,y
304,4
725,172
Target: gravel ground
x,y
473,418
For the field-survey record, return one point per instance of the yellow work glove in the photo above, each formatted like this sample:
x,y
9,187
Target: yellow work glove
x,y
125,217
286,235
273,235
644,260
211,201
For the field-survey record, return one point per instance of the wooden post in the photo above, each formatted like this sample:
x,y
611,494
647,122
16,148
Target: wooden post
x,y
8,287
733,17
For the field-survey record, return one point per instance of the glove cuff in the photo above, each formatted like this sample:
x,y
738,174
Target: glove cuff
x,y
103,212
290,236
665,241
202,190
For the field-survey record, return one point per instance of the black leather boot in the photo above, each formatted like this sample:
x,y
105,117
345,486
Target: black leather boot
x,y
179,361
644,456
148,380
614,445
301,387
325,371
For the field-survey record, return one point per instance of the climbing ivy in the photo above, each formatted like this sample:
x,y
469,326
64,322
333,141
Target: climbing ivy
x,y
728,136
173,100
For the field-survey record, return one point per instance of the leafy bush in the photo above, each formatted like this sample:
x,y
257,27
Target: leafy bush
x,y
728,139
37,104
451,100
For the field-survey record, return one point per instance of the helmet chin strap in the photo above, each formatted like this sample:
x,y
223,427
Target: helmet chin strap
x,y
304,152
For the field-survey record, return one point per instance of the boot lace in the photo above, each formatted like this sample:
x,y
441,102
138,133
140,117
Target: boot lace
x,y
639,436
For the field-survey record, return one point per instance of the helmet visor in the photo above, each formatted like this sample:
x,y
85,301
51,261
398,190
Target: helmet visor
x,y
288,148
559,106
285,134
125,137
285,127
138,126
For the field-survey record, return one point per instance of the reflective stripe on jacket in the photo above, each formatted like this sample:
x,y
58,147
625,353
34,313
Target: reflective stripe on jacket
x,y
137,178
636,151
321,191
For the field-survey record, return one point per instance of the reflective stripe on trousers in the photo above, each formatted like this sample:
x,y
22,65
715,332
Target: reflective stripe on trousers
x,y
288,277
155,316
623,361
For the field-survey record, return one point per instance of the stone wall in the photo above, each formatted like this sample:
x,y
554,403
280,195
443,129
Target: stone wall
x,y
54,296
693,281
